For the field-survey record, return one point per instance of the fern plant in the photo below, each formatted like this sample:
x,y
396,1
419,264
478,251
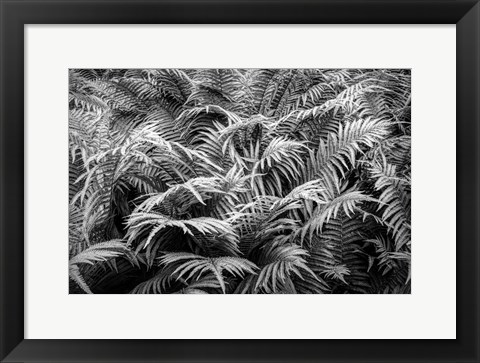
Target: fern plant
x,y
233,181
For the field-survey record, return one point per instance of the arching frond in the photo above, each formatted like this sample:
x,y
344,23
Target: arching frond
x,y
192,266
100,252
394,200
278,265
140,222
346,202
336,255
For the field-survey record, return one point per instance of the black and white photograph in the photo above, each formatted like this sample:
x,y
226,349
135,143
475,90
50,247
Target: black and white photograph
x,y
239,181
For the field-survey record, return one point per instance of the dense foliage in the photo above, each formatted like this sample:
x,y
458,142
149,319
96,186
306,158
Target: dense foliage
x,y
239,181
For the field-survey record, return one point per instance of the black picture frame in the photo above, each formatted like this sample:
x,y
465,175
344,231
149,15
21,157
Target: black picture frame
x,y
16,13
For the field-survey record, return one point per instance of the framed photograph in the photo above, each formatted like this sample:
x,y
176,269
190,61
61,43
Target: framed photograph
x,y
306,172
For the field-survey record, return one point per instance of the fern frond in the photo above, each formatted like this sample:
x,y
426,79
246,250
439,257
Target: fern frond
x,y
338,154
278,265
336,255
99,252
150,224
197,266
394,200
346,202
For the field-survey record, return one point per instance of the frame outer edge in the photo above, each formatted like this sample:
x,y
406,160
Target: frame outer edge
x,y
11,180
11,170
468,181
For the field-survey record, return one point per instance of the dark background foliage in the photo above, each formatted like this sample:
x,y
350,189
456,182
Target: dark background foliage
x,y
239,180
